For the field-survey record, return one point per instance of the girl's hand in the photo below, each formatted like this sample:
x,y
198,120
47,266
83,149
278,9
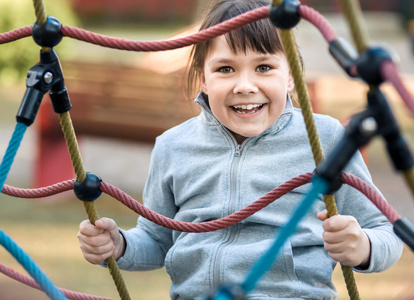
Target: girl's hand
x,y
100,241
345,240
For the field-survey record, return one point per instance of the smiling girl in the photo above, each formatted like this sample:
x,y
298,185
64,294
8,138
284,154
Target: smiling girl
x,y
247,140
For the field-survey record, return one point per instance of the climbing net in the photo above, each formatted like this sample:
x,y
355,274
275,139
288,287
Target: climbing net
x,y
372,65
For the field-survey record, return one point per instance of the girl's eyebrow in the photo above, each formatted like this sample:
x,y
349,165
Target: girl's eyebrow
x,y
220,60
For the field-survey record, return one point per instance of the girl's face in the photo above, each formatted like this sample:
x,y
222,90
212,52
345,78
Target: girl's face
x,y
247,91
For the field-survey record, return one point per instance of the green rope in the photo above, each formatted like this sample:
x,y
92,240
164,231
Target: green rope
x,y
353,14
41,16
305,104
73,147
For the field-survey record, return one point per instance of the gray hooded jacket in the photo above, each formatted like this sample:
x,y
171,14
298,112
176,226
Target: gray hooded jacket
x,y
198,173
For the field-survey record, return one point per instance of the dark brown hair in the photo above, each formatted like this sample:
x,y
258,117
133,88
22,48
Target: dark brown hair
x,y
261,36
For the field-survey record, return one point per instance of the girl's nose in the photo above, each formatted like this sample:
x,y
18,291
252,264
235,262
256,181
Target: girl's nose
x,y
245,84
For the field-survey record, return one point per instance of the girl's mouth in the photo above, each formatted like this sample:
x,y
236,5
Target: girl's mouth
x,y
247,108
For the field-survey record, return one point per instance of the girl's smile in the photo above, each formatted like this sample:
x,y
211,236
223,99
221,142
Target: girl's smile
x,y
247,90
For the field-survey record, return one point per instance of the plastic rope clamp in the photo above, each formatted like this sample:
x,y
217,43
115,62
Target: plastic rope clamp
x,y
405,231
369,64
48,34
344,54
88,190
286,15
43,77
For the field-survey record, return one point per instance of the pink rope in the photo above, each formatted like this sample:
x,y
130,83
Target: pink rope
x,y
318,21
40,192
16,34
32,283
227,221
210,225
390,73
208,34
371,194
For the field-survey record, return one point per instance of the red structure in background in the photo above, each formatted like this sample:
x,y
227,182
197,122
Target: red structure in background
x,y
153,10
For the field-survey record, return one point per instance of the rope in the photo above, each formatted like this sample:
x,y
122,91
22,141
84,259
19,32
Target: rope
x,y
202,36
353,13
32,283
11,152
232,219
307,112
15,35
73,147
30,266
41,16
319,186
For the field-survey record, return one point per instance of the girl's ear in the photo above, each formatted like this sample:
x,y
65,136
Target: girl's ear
x,y
202,81
291,83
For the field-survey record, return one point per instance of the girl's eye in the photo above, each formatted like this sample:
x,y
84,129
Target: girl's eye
x,y
263,68
226,69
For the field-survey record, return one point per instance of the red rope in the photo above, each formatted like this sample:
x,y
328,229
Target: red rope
x,y
32,283
371,194
205,35
40,192
227,221
390,73
16,34
318,21
210,225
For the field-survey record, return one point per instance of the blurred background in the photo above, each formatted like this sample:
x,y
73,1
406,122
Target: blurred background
x,y
122,100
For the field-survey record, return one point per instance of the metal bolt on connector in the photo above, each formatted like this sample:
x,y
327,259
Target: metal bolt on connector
x,y
48,77
369,126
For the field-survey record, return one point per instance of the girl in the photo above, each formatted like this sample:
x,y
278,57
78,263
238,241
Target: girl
x,y
247,140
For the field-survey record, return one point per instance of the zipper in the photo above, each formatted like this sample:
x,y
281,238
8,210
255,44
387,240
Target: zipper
x,y
231,232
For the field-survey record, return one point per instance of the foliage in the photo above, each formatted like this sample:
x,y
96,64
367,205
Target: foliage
x,y
17,57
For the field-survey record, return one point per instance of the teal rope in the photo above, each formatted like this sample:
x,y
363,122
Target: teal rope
x,y
31,267
41,279
319,186
11,151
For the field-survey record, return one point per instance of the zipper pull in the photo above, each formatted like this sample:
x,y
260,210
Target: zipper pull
x,y
238,150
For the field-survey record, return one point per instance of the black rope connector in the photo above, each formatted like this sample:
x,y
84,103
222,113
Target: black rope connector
x,y
388,128
286,15
48,34
369,64
43,77
405,231
88,190
335,182
228,291
344,54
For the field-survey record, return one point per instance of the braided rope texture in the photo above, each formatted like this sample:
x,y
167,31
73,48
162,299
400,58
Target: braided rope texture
x,y
32,283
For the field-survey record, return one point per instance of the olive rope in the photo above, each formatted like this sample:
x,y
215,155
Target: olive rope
x,y
305,104
41,16
353,14
69,134
73,147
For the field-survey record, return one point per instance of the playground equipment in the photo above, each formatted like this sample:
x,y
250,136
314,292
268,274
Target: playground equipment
x,y
372,65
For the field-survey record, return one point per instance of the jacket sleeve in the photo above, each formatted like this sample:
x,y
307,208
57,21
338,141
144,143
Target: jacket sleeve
x,y
386,247
148,243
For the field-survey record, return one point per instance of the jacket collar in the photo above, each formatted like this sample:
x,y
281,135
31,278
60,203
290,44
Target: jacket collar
x,y
208,118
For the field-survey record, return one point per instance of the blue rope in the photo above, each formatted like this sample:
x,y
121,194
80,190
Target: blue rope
x,y
41,279
11,152
31,267
319,186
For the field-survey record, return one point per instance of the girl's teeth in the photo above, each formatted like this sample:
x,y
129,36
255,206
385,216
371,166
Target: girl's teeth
x,y
246,108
